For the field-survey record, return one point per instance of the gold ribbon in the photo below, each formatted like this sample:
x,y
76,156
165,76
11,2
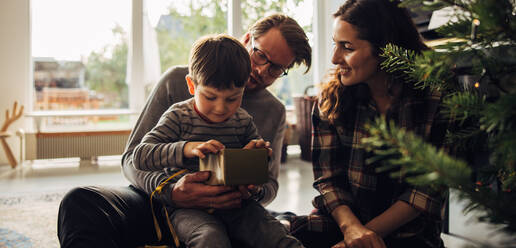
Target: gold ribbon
x,y
156,225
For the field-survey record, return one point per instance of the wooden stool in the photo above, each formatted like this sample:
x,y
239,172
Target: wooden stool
x,y
3,136
9,119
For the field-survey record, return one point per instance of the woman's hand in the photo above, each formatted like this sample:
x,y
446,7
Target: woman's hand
x,y
200,149
341,244
358,236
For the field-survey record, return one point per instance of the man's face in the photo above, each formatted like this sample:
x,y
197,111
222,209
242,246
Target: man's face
x,y
274,47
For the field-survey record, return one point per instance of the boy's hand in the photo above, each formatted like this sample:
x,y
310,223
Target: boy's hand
x,y
200,149
259,143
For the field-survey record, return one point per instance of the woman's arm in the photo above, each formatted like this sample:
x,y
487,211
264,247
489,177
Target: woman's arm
x,y
329,163
355,234
371,234
399,214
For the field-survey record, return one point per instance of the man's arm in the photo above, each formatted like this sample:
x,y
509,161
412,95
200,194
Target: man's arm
x,y
271,125
270,189
170,89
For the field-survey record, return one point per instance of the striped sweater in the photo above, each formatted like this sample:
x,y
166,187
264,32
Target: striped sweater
x,y
162,147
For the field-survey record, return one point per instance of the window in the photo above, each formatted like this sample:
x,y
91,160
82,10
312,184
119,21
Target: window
x,y
180,23
79,51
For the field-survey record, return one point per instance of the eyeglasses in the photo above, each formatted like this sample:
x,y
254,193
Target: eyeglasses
x,y
258,57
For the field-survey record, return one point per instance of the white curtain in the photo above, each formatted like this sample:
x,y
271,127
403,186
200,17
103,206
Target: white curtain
x,y
143,61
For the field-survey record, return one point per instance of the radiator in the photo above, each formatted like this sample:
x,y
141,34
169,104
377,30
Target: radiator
x,y
75,144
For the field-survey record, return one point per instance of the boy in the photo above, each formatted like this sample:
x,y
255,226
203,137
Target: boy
x,y
211,121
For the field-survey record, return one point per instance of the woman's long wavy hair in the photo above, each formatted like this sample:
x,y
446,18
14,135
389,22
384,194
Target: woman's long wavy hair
x,y
379,22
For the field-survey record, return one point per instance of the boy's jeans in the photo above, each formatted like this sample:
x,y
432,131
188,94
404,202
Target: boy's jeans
x,y
251,224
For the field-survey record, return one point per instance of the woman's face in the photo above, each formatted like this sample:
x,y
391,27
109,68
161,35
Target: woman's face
x,y
353,57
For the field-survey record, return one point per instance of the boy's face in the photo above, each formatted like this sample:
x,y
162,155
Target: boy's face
x,y
217,105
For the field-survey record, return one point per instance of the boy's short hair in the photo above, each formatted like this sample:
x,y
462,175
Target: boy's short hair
x,y
219,61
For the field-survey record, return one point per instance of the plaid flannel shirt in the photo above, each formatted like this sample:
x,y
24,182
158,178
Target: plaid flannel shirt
x,y
343,178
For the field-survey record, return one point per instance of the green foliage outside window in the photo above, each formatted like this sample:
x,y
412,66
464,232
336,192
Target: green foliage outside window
x,y
106,71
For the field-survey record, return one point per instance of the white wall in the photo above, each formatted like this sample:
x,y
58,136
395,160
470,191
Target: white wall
x,y
15,63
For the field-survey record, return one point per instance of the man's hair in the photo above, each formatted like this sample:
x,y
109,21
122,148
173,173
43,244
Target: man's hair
x,y
291,31
219,61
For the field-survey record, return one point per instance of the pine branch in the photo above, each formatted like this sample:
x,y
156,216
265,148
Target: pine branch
x,y
499,120
424,159
497,21
399,62
462,106
475,72
431,5
500,116
428,71
459,28
459,3
424,165
439,68
466,139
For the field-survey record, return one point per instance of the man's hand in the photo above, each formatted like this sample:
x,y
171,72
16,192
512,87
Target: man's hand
x,y
249,190
360,236
259,143
200,149
191,192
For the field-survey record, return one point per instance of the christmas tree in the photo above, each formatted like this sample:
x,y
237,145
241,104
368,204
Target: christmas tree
x,y
475,70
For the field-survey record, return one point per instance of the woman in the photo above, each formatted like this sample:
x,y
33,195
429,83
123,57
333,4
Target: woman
x,y
358,207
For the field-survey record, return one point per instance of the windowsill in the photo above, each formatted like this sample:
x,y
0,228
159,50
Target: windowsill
x,y
38,117
76,113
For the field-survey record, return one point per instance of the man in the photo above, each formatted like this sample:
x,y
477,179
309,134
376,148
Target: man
x,y
122,217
